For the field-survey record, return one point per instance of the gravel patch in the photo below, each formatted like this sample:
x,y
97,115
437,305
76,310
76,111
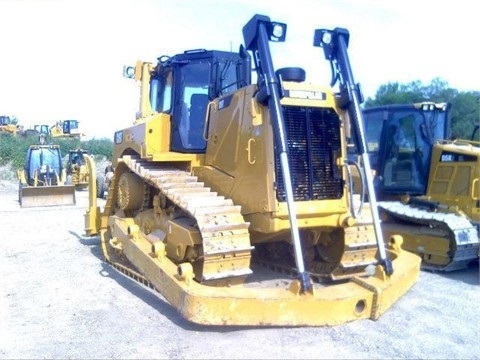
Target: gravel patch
x,y
59,300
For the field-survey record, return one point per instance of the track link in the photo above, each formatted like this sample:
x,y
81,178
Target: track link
x,y
225,237
351,252
463,235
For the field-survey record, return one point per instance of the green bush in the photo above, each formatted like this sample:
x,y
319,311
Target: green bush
x,y
100,147
13,149
6,148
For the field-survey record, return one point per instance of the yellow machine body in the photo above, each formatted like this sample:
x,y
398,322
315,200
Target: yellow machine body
x,y
9,125
259,302
210,228
428,186
442,225
65,129
76,169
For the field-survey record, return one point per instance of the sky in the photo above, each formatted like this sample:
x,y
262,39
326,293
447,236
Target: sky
x,y
63,59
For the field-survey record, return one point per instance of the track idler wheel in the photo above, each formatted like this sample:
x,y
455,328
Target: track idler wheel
x,y
130,191
324,251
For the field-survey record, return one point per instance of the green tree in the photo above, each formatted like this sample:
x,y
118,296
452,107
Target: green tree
x,y
466,114
101,147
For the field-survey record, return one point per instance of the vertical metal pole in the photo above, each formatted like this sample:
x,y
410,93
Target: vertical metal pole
x,y
356,114
281,144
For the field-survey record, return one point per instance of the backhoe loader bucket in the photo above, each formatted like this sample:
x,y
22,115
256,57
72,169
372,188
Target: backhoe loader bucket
x,y
35,196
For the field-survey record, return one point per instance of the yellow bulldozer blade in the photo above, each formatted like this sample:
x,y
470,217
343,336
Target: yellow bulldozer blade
x,y
259,303
35,196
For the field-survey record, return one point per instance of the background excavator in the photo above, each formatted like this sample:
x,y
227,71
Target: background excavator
x,y
223,186
42,180
428,186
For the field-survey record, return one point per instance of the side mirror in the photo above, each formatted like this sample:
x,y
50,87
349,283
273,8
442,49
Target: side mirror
x,y
128,71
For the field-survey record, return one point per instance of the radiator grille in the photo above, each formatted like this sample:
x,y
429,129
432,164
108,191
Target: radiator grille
x,y
313,143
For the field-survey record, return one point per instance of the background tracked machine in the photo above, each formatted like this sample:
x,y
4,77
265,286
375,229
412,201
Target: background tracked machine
x,y
9,125
64,129
221,185
428,186
77,171
42,180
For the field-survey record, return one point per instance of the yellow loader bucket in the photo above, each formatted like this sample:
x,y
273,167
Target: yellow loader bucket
x,y
34,196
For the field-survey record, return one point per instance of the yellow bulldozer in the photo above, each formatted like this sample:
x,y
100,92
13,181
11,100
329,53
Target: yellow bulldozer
x,y
66,129
9,124
42,180
428,186
77,171
232,198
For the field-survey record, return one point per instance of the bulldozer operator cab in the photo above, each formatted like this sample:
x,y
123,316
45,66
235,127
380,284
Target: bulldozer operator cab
x,y
399,144
69,126
7,120
75,157
43,166
183,85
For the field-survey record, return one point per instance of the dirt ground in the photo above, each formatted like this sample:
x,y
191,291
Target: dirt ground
x,y
59,300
